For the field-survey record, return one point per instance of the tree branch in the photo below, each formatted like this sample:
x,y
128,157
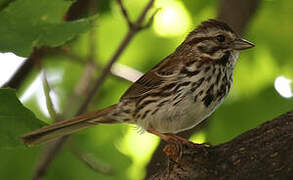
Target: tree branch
x,y
237,13
23,71
46,159
265,152
56,146
131,33
124,12
118,70
91,162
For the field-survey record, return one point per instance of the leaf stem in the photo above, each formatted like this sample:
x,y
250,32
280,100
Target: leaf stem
x,y
47,90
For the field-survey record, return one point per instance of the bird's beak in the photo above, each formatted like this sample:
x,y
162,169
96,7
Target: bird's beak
x,y
241,44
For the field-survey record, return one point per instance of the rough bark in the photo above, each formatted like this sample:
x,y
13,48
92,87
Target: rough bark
x,y
263,153
159,159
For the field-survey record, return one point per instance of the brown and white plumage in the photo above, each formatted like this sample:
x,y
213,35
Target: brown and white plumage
x,y
176,94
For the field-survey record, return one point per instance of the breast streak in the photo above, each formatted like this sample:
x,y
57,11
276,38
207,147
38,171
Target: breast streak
x,y
188,113
172,118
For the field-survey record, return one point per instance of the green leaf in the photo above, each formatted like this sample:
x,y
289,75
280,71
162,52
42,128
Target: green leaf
x,y
26,24
15,119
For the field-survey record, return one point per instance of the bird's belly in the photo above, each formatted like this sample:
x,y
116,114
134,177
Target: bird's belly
x,y
172,118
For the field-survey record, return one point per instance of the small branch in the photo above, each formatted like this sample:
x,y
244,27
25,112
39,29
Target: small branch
x,y
143,14
133,30
18,77
78,10
23,71
265,152
126,72
121,71
91,162
151,20
86,78
93,8
49,154
63,51
124,12
49,103
90,66
138,24
131,33
237,13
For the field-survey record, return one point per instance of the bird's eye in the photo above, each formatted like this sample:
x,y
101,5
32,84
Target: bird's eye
x,y
220,38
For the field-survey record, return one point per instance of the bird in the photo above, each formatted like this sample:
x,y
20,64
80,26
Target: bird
x,y
175,95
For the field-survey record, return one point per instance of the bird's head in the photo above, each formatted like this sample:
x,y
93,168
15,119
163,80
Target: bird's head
x,y
214,38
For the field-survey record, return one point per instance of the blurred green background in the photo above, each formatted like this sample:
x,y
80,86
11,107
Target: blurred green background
x,y
261,89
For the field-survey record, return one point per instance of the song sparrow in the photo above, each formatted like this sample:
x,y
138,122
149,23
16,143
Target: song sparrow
x,y
175,95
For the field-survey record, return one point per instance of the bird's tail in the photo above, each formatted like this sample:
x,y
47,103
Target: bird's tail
x,y
67,127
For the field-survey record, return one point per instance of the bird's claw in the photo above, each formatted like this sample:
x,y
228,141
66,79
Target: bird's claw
x,y
176,145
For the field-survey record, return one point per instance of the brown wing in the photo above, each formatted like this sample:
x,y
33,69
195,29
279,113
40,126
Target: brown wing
x,y
154,78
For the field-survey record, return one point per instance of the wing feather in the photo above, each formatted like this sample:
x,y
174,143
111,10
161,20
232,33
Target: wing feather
x,y
158,75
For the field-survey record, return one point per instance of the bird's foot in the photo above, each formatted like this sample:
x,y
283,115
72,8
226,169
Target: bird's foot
x,y
176,144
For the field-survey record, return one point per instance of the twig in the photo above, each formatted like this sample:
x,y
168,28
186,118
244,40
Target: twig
x,y
150,21
86,78
64,51
23,71
49,103
47,157
133,30
126,72
91,161
92,34
124,12
90,66
237,13
118,70
131,33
